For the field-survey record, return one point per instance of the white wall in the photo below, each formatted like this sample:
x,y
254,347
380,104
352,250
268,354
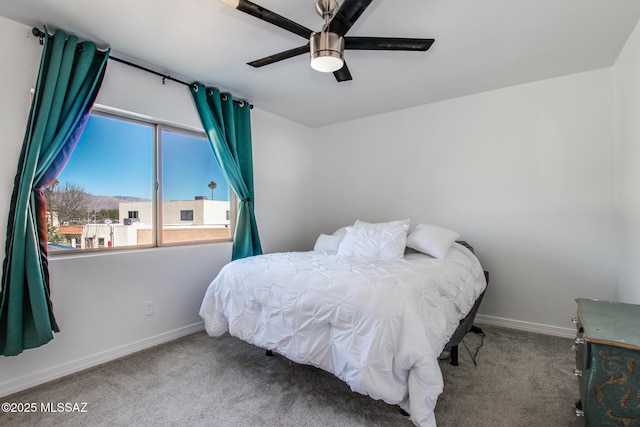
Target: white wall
x,y
627,162
525,174
282,165
99,300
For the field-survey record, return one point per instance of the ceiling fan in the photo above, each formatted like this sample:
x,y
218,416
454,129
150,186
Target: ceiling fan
x,y
326,48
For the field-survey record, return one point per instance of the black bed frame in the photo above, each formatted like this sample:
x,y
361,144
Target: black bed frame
x,y
466,324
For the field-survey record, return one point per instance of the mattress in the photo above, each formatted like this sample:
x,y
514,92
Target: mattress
x,y
378,325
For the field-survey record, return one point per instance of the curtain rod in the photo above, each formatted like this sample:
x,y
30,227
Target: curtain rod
x,y
41,34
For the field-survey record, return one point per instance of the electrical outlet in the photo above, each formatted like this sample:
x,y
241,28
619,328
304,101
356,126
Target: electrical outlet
x,y
148,308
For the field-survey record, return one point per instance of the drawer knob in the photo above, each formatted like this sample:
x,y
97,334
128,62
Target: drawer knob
x,y
577,372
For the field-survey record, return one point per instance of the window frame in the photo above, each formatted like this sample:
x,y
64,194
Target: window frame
x,y
158,126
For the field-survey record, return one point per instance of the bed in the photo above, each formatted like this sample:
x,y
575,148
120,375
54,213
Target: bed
x,y
373,304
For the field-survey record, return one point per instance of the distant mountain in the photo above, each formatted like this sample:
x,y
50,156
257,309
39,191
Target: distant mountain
x,y
111,202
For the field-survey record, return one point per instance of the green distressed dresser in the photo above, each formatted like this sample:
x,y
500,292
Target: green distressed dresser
x,y
608,363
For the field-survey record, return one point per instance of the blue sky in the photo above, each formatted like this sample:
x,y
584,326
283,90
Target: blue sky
x,y
115,158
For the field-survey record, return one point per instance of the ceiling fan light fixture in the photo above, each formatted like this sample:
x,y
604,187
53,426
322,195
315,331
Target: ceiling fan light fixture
x,y
326,52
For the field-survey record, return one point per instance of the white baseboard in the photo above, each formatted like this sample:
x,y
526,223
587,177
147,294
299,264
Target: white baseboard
x,y
49,374
526,326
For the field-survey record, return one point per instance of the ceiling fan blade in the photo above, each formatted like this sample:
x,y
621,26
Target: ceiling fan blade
x,y
279,56
343,74
347,15
266,15
387,43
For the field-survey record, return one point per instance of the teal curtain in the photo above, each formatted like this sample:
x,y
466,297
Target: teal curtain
x,y
69,78
227,124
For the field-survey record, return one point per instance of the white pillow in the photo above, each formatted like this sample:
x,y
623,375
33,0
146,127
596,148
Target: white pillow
x,y
432,240
401,222
327,243
381,241
340,232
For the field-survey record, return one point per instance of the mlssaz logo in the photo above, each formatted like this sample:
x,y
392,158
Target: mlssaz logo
x,y
63,407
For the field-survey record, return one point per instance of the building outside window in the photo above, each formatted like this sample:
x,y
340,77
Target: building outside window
x,y
186,215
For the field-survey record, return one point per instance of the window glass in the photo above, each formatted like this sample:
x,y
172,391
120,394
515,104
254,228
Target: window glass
x,y
111,165
106,196
195,193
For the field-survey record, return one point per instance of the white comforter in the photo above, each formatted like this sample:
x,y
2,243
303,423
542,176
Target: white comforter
x,y
378,325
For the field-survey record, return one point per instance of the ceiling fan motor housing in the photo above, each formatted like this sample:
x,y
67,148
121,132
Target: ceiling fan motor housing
x,y
329,47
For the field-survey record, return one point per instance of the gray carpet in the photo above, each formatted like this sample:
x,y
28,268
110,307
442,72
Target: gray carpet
x,y
522,379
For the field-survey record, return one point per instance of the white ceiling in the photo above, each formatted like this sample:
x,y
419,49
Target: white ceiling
x,y
480,45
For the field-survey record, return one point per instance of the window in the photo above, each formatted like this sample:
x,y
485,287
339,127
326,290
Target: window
x,y
193,189
136,183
